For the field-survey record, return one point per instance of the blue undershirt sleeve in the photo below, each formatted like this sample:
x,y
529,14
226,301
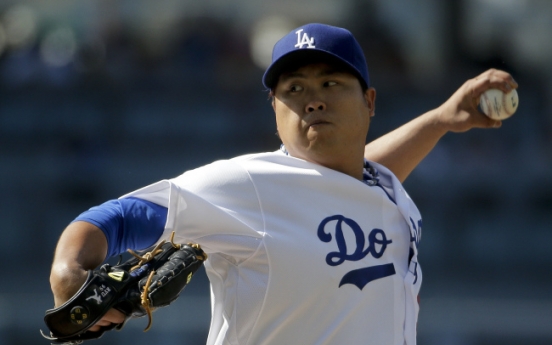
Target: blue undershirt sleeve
x,y
128,223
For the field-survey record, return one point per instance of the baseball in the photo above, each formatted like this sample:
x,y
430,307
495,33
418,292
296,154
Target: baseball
x,y
497,105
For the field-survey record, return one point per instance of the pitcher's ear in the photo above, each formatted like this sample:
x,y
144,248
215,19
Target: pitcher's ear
x,y
370,99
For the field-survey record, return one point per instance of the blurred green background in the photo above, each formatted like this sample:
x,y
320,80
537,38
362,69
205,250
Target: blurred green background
x,y
98,98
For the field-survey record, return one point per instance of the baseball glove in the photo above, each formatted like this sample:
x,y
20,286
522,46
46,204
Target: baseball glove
x,y
135,287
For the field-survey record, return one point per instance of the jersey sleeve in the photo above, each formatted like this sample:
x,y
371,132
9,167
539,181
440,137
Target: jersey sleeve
x,y
215,205
127,223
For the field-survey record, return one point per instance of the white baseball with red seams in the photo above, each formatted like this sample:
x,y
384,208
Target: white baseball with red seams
x,y
499,105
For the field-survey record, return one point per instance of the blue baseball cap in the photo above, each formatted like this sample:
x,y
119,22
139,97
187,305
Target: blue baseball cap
x,y
313,43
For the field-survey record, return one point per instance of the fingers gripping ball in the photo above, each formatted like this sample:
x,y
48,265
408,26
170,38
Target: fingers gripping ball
x,y
499,105
147,281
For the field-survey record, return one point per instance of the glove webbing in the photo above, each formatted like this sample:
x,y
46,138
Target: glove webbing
x,y
144,300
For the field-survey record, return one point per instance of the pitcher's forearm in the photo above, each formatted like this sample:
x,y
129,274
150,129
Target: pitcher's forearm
x,y
404,148
81,247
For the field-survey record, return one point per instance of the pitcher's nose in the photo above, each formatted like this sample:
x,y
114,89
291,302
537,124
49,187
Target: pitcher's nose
x,y
315,105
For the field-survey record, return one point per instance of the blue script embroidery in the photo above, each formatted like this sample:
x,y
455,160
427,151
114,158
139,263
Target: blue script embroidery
x,y
415,235
377,244
360,252
363,276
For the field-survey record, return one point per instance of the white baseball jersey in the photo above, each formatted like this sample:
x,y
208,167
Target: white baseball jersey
x,y
299,253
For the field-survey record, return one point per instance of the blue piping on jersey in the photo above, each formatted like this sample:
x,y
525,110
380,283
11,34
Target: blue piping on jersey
x,y
371,178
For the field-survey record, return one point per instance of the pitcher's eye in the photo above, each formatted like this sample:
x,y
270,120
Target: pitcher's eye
x,y
330,83
295,88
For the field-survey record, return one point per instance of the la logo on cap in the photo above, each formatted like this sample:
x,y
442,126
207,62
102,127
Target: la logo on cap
x,y
309,41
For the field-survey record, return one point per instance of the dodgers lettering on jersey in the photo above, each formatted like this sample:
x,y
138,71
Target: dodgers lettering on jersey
x,y
415,236
298,253
377,243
